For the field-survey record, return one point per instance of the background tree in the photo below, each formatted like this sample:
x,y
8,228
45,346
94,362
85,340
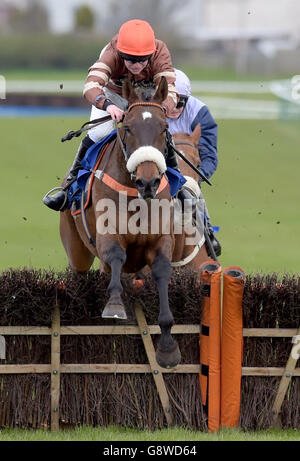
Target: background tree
x,y
33,19
84,18
164,16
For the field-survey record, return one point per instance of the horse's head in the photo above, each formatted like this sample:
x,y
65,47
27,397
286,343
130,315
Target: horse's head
x,y
144,133
188,143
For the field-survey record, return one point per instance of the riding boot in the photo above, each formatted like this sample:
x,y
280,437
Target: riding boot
x,y
183,193
214,241
58,201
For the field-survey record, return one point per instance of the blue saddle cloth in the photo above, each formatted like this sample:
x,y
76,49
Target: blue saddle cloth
x,y
176,180
87,164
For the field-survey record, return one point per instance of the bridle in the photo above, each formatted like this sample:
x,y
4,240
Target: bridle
x,y
122,141
145,103
126,156
186,143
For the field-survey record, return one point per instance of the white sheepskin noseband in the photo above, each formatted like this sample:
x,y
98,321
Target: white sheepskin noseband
x,y
146,154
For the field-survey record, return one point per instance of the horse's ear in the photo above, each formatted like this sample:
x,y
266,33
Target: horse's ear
x,y
196,134
128,91
162,91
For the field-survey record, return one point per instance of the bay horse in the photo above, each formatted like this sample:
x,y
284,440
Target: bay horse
x,y
136,163
186,254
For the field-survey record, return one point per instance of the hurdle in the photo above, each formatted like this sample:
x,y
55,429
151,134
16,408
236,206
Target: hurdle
x,y
64,365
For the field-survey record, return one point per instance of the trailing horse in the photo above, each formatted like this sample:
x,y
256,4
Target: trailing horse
x,y
135,164
186,253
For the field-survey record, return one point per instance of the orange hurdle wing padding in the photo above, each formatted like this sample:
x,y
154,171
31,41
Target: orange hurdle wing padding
x,y
210,342
232,345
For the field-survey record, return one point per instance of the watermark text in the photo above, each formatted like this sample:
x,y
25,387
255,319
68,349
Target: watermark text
x,y
296,347
155,217
2,87
295,81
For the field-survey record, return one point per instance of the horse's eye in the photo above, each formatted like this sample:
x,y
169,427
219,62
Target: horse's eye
x,y
127,129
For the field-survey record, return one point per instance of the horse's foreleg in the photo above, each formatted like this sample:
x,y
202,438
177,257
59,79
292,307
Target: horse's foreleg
x,y
168,353
115,258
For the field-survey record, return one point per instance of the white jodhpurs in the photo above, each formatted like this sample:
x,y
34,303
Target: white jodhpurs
x,y
194,188
100,131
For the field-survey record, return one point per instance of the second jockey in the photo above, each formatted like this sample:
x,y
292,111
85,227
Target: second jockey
x,y
184,118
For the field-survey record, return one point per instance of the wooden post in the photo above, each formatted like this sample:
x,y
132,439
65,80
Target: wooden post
x,y
55,369
155,368
285,380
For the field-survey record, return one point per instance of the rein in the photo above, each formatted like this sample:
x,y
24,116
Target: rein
x,y
190,164
121,142
85,127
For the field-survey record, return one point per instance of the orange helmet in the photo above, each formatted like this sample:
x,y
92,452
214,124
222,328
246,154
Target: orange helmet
x,y
136,38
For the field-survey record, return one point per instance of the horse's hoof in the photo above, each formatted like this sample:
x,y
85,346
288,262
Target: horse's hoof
x,y
167,359
114,311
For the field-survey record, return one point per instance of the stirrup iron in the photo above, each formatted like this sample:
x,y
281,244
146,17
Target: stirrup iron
x,y
55,189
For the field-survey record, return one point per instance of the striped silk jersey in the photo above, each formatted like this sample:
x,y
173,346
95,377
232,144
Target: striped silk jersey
x,y
109,70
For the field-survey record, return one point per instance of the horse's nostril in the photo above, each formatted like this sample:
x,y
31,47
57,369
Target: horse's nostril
x,y
157,183
139,184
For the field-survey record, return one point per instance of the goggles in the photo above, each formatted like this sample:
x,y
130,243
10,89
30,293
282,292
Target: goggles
x,y
134,59
182,101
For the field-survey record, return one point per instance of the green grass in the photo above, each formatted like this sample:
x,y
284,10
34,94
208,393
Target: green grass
x,y
255,193
34,161
113,433
254,198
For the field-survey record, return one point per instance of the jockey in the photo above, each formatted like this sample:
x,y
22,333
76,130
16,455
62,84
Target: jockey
x,y
133,53
185,117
